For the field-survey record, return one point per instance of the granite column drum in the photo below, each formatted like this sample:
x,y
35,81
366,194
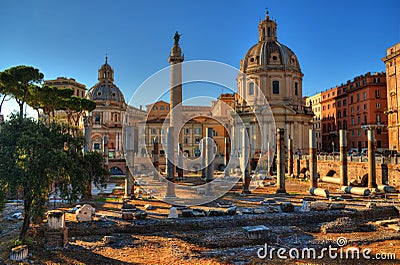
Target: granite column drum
x,y
280,177
313,160
343,157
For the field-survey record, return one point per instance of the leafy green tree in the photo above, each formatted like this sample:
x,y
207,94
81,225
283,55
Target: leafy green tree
x,y
17,81
48,98
3,95
76,107
34,156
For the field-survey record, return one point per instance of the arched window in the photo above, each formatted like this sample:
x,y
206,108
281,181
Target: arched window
x,y
275,87
296,92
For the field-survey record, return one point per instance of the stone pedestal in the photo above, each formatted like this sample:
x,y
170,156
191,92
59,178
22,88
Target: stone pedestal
x,y
56,232
56,238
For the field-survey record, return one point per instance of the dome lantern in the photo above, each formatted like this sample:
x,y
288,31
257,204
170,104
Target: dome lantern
x,y
267,29
106,73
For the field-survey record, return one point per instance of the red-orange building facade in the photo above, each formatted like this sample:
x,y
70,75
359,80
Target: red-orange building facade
x,y
328,120
349,106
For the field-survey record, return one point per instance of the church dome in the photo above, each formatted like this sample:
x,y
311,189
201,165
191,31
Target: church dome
x,y
105,89
106,92
268,53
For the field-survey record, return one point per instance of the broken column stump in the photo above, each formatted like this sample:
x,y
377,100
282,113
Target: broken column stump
x,y
19,253
257,232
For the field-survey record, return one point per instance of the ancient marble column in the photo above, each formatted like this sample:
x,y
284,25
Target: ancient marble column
x,y
371,160
129,160
245,161
209,155
290,156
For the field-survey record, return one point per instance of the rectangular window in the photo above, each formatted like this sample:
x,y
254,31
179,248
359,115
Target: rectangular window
x,y
344,102
339,104
153,131
351,100
378,105
365,119
187,130
275,87
359,133
358,120
352,121
186,140
97,119
296,89
344,113
352,109
365,95
377,94
365,106
251,88
378,118
358,97
197,131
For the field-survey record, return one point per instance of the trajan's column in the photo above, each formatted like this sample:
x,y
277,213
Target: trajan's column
x,y
175,59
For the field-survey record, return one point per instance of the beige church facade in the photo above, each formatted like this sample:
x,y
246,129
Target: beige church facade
x,y
275,70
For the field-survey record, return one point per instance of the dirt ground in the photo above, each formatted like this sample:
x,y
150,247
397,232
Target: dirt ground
x,y
210,245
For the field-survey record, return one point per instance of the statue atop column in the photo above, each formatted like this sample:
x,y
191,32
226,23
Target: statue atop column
x,y
177,37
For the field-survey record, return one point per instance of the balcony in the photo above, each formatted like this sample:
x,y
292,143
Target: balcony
x,y
390,110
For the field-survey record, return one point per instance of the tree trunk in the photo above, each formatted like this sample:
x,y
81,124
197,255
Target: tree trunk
x,y
2,102
21,110
27,219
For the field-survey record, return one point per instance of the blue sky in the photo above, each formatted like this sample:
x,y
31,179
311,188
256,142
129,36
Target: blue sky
x,y
334,40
